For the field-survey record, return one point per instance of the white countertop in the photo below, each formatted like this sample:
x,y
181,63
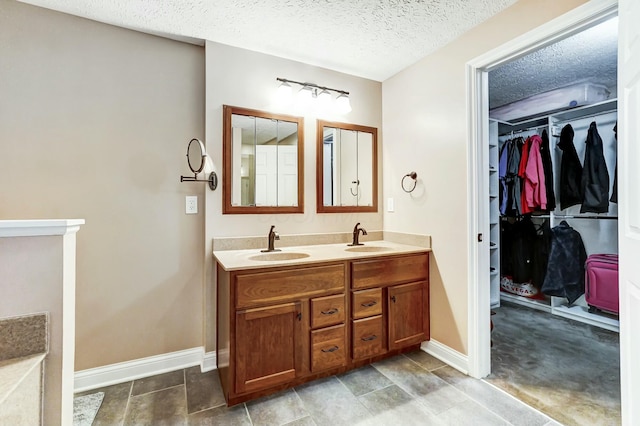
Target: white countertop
x,y
233,260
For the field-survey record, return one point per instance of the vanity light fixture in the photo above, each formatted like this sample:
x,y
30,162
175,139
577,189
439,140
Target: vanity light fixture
x,y
310,92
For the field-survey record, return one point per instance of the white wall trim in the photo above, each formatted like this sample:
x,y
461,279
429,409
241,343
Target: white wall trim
x,y
447,355
572,22
209,362
121,372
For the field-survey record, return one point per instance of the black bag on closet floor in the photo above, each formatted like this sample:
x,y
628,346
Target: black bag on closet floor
x,y
565,270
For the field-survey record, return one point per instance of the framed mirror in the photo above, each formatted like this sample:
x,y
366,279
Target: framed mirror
x,y
263,162
347,168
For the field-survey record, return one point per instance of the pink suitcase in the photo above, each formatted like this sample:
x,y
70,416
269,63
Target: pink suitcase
x,y
601,282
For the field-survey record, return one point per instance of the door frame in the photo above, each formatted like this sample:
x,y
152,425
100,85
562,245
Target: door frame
x,y
568,24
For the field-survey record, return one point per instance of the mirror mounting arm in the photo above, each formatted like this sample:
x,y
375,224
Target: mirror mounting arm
x,y
212,180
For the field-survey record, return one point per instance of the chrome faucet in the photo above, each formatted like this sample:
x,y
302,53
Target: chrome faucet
x,y
273,235
356,235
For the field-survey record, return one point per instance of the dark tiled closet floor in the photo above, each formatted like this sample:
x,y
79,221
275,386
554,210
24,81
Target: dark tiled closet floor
x,y
412,389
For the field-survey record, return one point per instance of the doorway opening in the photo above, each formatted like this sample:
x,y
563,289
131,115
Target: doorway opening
x,y
481,234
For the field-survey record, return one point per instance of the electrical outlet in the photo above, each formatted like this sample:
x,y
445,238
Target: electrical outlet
x,y
191,204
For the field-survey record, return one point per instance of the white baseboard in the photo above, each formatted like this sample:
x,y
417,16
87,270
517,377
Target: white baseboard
x,y
209,362
121,372
447,355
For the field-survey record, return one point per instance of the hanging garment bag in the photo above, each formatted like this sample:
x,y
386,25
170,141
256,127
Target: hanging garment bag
x,y
601,282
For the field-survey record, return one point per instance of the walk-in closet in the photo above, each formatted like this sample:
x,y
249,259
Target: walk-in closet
x,y
552,196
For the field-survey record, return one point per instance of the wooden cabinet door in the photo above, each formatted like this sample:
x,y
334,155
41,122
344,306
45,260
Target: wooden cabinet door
x,y
408,314
269,346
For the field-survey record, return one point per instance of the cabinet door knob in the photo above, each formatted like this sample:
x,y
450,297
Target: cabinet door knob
x,y
393,299
333,349
299,316
369,304
330,311
369,338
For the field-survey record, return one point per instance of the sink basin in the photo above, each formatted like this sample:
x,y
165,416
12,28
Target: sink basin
x,y
367,248
278,255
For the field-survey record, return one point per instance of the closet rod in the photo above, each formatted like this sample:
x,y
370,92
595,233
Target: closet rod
x,y
570,216
544,126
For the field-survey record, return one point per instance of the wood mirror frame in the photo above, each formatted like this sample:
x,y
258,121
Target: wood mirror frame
x,y
227,173
320,207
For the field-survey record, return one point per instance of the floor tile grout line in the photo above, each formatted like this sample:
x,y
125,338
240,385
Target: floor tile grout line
x,y
157,390
126,407
304,407
186,397
349,390
208,408
376,390
246,410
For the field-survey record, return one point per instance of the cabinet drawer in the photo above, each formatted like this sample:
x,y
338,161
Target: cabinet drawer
x,y
328,310
367,303
289,285
328,348
373,273
368,337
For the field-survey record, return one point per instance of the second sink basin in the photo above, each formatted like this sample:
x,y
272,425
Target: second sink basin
x,y
278,255
367,248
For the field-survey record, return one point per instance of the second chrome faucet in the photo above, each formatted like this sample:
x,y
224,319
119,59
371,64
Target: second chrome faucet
x,y
356,235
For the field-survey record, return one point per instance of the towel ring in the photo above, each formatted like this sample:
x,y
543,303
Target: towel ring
x,y
412,175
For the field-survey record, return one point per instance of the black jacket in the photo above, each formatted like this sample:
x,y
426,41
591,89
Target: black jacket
x,y
595,176
565,269
570,170
545,153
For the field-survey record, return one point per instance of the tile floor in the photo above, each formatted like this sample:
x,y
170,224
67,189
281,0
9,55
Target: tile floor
x,y
412,389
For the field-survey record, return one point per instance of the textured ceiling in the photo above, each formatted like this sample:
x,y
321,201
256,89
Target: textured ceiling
x,y
589,56
368,38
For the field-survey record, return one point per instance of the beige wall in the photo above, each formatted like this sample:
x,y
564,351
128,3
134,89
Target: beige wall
x,y
94,124
424,117
247,79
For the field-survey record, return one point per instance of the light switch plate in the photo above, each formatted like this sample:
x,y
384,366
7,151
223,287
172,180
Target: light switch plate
x,y
390,206
191,204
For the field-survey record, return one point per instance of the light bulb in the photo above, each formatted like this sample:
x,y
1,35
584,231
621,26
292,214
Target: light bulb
x,y
283,93
342,103
324,99
305,96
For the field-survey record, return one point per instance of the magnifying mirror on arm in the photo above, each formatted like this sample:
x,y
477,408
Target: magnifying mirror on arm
x,y
197,160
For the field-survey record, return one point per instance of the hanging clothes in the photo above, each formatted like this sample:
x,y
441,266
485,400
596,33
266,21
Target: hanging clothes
x,y
517,255
541,248
595,176
565,268
570,170
502,177
547,166
515,208
534,191
614,191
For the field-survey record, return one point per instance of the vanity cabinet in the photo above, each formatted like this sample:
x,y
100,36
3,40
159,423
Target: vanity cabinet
x,y
405,285
269,346
282,326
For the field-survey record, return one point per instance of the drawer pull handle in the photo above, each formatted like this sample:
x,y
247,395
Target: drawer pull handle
x,y
369,304
333,349
330,311
368,339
